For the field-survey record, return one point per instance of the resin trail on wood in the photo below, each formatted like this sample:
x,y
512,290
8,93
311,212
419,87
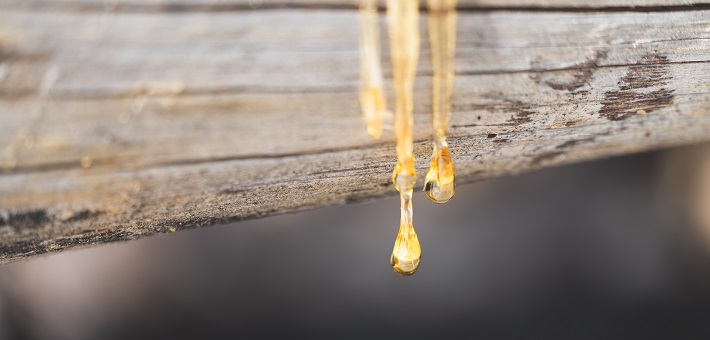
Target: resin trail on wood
x,y
439,183
403,27
372,97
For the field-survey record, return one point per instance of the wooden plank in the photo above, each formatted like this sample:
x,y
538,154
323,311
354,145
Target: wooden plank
x,y
118,126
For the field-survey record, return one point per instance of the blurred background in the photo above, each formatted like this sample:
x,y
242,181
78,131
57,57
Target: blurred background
x,y
613,249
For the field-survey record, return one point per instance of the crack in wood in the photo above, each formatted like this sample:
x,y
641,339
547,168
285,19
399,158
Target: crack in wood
x,y
567,68
83,215
98,94
537,160
574,142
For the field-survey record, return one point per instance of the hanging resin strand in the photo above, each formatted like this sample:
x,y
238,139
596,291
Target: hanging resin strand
x,y
372,99
407,252
403,26
439,182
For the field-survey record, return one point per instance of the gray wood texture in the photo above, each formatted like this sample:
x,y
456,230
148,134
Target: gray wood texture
x,y
126,119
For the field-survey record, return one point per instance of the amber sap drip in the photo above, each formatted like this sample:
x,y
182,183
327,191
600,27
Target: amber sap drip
x,y
403,27
407,252
372,99
439,183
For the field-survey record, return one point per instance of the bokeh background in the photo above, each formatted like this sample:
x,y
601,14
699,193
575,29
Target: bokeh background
x,y
613,249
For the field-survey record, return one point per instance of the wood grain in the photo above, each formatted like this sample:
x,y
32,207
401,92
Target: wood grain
x,y
116,125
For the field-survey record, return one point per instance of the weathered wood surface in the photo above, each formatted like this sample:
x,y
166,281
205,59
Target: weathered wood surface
x,y
117,125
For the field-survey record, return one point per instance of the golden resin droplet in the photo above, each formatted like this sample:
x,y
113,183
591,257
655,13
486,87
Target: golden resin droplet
x,y
407,252
439,183
372,99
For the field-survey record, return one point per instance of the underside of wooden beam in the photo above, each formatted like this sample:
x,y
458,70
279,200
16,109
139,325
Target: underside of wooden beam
x,y
116,125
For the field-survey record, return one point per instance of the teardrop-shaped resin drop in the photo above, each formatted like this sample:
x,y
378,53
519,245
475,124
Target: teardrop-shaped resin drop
x,y
439,183
407,252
